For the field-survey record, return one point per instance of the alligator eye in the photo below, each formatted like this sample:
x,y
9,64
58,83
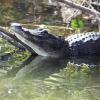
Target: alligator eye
x,y
45,31
19,27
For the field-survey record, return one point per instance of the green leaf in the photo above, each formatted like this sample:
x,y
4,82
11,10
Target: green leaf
x,y
77,23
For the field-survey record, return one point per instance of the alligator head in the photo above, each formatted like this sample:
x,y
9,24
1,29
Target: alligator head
x,y
40,41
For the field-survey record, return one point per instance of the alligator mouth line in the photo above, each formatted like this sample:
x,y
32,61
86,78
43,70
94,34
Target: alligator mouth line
x,y
40,41
30,44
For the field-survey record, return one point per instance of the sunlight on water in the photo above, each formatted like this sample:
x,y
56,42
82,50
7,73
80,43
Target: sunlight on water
x,y
50,79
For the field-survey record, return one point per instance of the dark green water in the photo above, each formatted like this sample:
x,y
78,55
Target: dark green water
x,y
41,78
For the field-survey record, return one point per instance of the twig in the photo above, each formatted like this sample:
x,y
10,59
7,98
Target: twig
x,y
14,40
77,6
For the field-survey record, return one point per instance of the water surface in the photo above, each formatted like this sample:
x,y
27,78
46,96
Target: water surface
x,y
42,78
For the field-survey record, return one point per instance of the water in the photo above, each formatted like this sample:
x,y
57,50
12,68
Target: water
x,y
42,78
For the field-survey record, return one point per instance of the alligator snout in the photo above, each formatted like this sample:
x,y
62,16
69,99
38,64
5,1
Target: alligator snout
x,y
42,42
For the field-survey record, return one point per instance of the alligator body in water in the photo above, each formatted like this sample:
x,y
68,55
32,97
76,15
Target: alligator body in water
x,y
46,44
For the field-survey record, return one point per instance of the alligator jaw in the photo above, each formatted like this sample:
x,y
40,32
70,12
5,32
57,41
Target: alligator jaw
x,y
35,48
41,42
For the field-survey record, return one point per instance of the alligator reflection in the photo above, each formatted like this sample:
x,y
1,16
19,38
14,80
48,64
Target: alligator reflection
x,y
39,67
42,67
38,77
90,60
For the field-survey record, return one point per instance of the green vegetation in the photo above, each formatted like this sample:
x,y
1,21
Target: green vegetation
x,y
6,14
77,24
42,79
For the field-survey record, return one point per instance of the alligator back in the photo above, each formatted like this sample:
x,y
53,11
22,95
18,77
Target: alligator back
x,y
84,44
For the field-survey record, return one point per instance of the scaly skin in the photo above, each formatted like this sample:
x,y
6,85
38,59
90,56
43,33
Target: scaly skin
x,y
46,44
84,44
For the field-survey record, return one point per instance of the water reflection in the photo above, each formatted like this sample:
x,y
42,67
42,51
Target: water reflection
x,y
42,78
41,67
90,60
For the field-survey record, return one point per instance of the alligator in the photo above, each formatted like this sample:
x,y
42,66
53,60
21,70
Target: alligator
x,y
43,43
